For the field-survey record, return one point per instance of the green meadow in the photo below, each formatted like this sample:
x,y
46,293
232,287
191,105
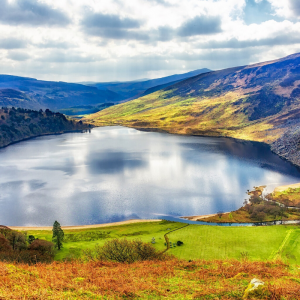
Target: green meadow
x,y
199,242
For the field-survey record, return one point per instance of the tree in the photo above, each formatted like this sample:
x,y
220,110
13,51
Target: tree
x,y
58,235
31,238
220,214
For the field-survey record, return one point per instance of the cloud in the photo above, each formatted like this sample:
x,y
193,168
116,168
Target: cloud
x,y
31,13
67,57
295,7
18,55
54,44
112,26
284,39
161,2
200,25
12,43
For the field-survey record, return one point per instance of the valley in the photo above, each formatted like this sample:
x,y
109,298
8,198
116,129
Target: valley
x,y
258,102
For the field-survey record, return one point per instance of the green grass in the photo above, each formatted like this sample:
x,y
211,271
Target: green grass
x,y
88,238
200,242
211,242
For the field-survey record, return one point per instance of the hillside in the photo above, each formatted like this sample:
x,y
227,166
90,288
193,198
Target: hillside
x,y
173,279
225,261
19,124
37,94
134,89
258,102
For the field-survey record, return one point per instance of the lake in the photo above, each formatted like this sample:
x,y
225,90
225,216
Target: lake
x,y
116,173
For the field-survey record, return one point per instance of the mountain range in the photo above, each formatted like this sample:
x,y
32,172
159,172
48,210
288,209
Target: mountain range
x,y
31,93
259,102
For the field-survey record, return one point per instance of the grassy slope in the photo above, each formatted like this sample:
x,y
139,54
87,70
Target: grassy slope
x,y
252,102
200,242
293,195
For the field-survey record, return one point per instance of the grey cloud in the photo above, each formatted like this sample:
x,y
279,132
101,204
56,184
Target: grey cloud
x,y
31,13
295,7
286,39
18,55
67,57
165,34
112,26
12,43
200,25
232,56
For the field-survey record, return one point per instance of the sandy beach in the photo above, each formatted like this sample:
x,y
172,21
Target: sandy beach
x,y
25,228
196,218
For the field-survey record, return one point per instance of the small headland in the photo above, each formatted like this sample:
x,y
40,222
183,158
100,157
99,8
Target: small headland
x,y
18,124
277,207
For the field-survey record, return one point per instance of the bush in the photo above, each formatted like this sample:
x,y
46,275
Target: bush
x,y
4,243
124,251
43,247
25,256
179,243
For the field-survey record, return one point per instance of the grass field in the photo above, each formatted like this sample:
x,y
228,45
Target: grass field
x,y
200,242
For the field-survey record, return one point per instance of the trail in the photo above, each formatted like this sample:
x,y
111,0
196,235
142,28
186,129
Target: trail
x,y
167,238
276,254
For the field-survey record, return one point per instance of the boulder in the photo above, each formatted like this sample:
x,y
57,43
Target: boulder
x,y
255,288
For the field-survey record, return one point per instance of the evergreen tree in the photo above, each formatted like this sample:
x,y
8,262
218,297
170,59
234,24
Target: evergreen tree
x,y
58,235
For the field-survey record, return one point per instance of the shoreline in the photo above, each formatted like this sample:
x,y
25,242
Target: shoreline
x,y
78,227
196,218
45,134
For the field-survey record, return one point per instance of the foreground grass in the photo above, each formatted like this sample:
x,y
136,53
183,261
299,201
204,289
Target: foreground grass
x,y
200,242
172,279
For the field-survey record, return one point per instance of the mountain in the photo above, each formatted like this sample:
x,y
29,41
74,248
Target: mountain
x,y
35,94
259,102
134,89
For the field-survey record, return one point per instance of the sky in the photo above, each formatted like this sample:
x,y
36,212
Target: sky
x,y
123,40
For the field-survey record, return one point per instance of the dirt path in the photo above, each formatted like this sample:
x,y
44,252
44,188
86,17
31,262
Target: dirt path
x,y
285,187
83,226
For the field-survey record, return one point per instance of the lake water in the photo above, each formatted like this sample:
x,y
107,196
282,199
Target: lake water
x,y
116,173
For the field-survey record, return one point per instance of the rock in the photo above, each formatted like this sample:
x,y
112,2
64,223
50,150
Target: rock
x,y
255,289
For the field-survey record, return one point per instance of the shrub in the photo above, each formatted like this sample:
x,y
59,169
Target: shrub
x,y
25,256
43,247
179,243
124,251
4,243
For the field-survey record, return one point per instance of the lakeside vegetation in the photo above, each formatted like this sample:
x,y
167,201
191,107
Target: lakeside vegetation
x,y
17,124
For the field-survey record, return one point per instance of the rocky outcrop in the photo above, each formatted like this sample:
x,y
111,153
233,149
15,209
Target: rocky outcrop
x,y
288,145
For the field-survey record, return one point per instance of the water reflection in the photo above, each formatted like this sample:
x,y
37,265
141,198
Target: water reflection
x,y
114,174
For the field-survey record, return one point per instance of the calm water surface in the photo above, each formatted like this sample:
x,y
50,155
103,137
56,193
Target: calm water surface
x,y
116,173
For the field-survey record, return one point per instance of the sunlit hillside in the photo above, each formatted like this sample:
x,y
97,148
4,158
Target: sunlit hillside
x,y
257,102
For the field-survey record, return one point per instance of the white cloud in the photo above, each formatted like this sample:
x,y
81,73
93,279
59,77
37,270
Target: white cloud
x,y
125,40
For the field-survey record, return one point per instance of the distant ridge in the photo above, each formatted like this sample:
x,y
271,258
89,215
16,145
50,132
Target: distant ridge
x,y
133,89
25,92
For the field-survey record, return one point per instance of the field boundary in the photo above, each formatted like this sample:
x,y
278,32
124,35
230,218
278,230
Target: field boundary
x,y
276,254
